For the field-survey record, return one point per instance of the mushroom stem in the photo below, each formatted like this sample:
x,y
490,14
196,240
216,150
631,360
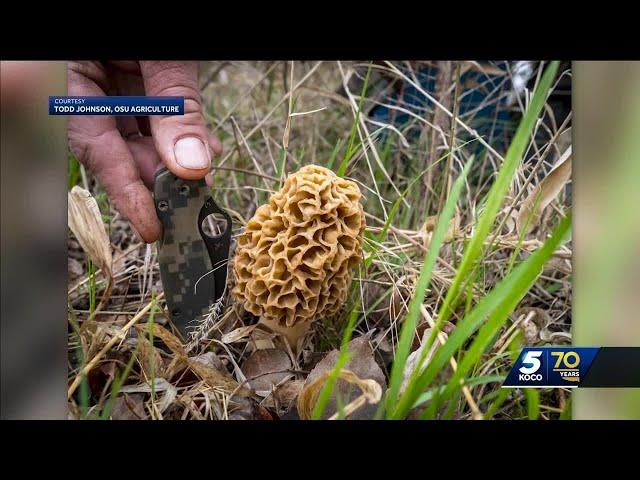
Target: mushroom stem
x,y
292,334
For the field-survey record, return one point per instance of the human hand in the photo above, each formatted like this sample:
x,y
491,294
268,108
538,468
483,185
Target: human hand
x,y
124,152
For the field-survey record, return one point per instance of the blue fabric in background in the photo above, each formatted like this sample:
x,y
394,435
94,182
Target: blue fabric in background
x,y
492,121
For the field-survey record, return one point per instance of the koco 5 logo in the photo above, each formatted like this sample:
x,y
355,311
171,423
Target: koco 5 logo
x,y
530,365
553,367
566,365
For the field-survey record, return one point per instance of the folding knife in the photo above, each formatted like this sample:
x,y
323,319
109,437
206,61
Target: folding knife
x,y
194,247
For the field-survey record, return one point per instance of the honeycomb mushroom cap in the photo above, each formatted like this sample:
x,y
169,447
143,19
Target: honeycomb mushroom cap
x,y
296,258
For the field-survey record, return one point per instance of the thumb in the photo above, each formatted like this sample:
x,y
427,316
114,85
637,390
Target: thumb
x,y
182,141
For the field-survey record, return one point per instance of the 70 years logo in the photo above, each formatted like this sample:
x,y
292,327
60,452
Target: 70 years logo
x,y
550,367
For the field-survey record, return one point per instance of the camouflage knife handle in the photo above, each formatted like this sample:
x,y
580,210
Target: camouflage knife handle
x,y
187,253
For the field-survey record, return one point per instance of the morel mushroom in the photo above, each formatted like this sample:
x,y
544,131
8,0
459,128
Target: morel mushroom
x,y
296,258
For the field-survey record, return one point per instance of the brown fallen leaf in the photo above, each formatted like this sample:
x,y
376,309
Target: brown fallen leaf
x,y
237,334
216,379
102,376
149,357
362,366
129,407
544,193
85,221
535,321
432,222
371,392
249,409
93,335
209,358
211,376
261,339
284,397
265,369
170,340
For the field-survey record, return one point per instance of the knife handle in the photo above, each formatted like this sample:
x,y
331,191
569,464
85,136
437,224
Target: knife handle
x,y
187,253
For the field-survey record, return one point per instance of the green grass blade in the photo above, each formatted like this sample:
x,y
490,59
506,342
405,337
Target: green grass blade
x,y
73,172
426,396
398,201
523,234
496,195
500,396
503,393
504,308
408,328
493,202
281,166
533,403
496,305
566,413
334,154
354,129
83,391
117,385
119,381
343,358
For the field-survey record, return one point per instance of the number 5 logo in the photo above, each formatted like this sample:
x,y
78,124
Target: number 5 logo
x,y
531,362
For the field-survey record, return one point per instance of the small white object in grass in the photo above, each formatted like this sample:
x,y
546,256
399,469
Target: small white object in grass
x,y
413,358
520,75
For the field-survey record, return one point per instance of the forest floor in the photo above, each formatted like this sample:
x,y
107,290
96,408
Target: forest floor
x,y
404,132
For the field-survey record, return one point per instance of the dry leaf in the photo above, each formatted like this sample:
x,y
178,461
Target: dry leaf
x,y
544,193
120,260
129,407
266,368
150,359
237,334
412,360
249,409
371,393
361,364
167,399
284,396
216,379
170,340
430,226
85,221
212,377
557,264
560,337
95,335
261,339
209,359
160,385
535,322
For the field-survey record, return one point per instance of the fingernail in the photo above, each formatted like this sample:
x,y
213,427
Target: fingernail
x,y
192,153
